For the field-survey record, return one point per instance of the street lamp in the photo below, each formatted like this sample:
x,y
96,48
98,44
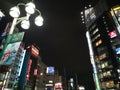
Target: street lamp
x,y
25,24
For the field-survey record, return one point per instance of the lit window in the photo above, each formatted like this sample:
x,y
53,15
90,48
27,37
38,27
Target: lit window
x,y
97,58
104,55
106,64
95,31
98,42
108,73
103,65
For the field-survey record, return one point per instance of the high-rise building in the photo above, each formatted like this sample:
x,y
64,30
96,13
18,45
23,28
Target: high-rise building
x,y
102,24
29,71
41,76
54,80
50,76
11,62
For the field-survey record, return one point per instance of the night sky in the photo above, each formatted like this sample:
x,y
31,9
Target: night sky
x,y
63,42
61,39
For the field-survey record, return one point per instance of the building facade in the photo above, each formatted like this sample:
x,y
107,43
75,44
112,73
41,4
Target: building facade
x,y
29,71
41,76
11,61
102,26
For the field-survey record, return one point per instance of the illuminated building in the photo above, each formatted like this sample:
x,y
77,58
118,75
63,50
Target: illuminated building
x,y
13,70
103,35
54,80
11,62
71,84
30,69
50,76
41,77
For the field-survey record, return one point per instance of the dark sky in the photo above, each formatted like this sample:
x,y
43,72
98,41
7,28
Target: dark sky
x,y
61,39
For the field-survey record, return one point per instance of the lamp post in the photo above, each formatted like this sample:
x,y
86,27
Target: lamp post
x,y
30,9
25,24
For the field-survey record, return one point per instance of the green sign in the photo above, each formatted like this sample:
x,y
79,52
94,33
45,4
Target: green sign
x,y
15,37
11,39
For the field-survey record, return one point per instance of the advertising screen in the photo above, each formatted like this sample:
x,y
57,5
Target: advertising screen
x,y
50,70
28,71
35,51
49,88
89,16
58,85
117,50
10,53
35,71
113,34
115,12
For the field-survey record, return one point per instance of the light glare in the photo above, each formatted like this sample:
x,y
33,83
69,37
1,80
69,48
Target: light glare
x,y
39,21
30,8
25,24
14,12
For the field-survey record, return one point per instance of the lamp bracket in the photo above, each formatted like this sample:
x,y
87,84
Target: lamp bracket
x,y
20,19
23,18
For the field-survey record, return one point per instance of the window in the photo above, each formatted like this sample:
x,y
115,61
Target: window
x,y
96,37
102,56
98,42
95,31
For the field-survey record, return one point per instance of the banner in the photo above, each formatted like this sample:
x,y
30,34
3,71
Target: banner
x,y
16,37
10,53
12,45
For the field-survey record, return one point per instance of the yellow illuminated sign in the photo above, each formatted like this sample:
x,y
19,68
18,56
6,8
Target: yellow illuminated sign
x,y
116,8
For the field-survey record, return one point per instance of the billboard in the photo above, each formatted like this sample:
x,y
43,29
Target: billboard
x,y
11,48
35,71
117,50
58,85
4,34
113,34
89,16
16,37
50,70
10,53
28,70
115,12
35,51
